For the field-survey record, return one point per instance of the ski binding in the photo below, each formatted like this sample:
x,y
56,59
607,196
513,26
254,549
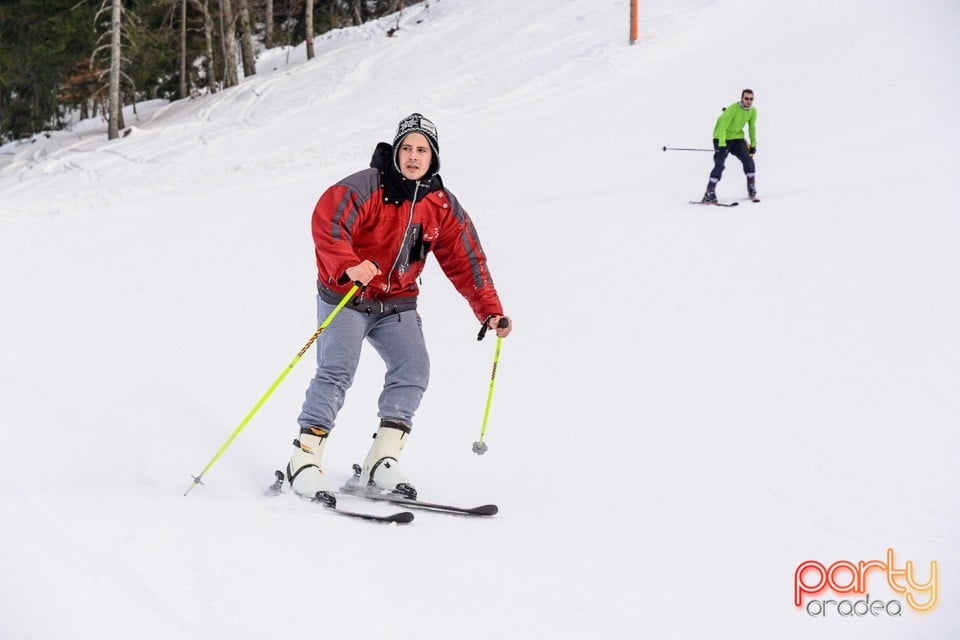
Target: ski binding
x,y
328,500
354,489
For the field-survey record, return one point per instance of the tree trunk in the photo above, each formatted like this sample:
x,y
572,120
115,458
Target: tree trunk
x,y
357,13
246,41
228,28
309,20
183,49
268,35
208,39
395,7
113,126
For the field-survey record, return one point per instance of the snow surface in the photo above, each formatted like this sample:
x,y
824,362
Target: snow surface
x,y
693,402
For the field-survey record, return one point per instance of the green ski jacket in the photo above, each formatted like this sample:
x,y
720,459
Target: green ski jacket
x,y
730,124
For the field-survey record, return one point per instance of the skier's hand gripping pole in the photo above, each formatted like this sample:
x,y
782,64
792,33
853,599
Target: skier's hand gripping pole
x,y
198,479
480,447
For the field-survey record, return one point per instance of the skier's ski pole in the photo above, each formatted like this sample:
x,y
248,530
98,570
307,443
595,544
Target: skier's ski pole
x,y
685,149
198,479
480,447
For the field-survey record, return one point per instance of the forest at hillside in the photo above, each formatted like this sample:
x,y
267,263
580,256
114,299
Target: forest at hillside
x,y
60,58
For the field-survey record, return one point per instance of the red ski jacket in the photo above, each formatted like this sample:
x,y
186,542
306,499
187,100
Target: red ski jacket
x,y
368,216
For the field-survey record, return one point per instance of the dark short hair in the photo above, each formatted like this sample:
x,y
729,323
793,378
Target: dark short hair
x,y
745,92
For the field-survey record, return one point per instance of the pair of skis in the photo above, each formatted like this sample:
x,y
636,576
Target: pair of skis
x,y
725,204
328,499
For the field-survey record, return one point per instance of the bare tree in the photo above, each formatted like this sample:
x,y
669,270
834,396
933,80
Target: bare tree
x,y
309,25
357,12
115,54
246,40
114,71
397,7
183,49
228,33
204,8
268,34
209,60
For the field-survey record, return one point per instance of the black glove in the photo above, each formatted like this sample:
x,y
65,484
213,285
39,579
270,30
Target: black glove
x,y
753,150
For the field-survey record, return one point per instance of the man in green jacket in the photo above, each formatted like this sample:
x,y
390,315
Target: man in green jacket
x,y
728,138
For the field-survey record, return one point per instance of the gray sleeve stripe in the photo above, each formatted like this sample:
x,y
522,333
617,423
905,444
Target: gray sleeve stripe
x,y
360,187
469,239
455,207
480,273
344,208
474,262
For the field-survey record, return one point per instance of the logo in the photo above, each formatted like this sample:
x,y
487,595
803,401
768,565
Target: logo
x,y
417,122
813,578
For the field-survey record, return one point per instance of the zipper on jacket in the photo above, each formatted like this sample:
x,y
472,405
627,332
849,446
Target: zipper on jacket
x,y
403,239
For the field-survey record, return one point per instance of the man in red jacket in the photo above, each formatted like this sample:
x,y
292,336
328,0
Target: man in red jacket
x,y
376,228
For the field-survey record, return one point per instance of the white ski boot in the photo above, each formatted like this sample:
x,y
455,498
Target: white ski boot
x,y
381,468
303,471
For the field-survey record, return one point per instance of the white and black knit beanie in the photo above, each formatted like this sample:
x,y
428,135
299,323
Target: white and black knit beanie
x,y
416,123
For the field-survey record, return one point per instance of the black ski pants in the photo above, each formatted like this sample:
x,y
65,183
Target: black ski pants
x,y
739,149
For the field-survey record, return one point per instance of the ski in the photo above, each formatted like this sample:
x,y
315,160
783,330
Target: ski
x,y
482,510
353,489
329,501
401,517
718,204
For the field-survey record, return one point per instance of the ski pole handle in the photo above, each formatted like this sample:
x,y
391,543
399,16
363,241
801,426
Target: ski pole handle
x,y
502,323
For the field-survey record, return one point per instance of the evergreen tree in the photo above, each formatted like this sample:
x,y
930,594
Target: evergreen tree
x,y
42,42
170,49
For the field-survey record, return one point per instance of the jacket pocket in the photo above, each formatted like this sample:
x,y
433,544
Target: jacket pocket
x,y
418,247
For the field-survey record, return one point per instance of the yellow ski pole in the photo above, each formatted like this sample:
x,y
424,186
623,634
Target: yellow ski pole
x,y
480,447
198,479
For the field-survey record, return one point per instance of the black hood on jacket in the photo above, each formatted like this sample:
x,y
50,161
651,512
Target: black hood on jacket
x,y
396,188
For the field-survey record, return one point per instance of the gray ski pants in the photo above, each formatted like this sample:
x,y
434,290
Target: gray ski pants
x,y
397,337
